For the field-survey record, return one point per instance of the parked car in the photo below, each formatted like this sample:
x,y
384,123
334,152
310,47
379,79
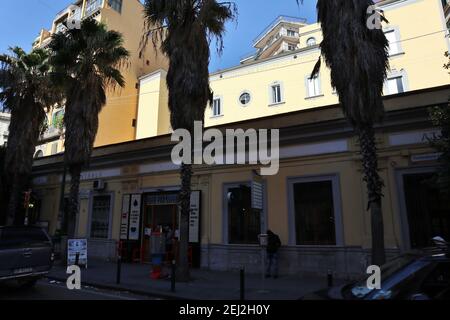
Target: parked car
x,y
26,254
413,276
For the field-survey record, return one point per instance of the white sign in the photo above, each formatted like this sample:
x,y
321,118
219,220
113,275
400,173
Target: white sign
x,y
257,195
74,247
194,218
135,216
426,157
125,218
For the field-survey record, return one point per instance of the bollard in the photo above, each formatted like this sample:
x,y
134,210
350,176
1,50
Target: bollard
x,y
173,276
242,284
77,259
330,279
119,269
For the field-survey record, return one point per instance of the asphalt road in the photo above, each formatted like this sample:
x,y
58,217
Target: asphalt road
x,y
52,290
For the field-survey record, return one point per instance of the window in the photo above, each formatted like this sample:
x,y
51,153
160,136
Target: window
x,y
100,217
291,33
54,148
311,42
395,85
313,212
394,44
217,107
116,5
276,94
244,223
313,86
292,47
92,6
245,98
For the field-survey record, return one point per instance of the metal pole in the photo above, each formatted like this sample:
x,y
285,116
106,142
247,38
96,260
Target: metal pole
x,y
242,284
329,279
119,269
172,277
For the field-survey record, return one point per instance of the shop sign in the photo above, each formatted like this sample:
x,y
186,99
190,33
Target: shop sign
x,y
74,247
194,218
135,216
161,199
125,217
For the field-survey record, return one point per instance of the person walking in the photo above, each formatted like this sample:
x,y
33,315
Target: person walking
x,y
273,244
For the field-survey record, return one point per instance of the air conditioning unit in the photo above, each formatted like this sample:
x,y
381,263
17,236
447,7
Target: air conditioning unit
x,y
99,185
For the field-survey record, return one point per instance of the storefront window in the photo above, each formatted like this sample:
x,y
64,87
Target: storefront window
x,y
100,217
244,224
314,213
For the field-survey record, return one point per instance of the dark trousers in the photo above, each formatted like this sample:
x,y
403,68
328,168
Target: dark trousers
x,y
272,264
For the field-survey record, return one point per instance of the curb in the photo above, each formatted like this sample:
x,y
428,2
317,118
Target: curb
x,y
152,294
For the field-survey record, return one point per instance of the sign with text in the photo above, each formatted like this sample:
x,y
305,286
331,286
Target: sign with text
x,y
135,217
194,218
125,217
77,247
257,195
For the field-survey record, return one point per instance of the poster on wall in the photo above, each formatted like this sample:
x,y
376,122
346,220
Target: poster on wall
x,y
135,216
125,217
77,247
194,218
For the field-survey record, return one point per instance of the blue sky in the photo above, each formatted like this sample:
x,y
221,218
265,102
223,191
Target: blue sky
x,y
23,19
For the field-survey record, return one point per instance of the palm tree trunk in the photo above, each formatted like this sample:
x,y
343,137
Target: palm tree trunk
x,y
374,190
14,215
185,203
75,173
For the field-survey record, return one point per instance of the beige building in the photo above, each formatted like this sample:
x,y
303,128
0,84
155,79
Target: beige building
x,y
317,202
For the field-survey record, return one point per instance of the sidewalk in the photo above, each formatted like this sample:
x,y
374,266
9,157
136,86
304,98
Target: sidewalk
x,y
205,285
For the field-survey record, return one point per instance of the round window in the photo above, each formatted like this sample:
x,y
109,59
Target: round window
x,y
245,98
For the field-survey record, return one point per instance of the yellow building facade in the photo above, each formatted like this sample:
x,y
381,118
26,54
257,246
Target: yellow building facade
x,y
120,111
317,202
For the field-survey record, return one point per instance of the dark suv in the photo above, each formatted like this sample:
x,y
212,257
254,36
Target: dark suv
x,y
26,254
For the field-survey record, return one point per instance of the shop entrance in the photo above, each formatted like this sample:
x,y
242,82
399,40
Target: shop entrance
x,y
160,231
427,210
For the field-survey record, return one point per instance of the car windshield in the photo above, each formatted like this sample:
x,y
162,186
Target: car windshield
x,y
360,290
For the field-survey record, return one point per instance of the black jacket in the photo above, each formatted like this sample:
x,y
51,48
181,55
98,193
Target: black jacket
x,y
274,243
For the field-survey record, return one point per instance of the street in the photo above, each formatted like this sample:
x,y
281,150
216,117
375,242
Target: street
x,y
52,290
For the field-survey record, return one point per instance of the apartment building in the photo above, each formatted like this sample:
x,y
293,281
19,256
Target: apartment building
x,y
317,202
5,119
120,111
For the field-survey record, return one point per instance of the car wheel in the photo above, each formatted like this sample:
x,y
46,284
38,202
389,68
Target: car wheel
x,y
27,283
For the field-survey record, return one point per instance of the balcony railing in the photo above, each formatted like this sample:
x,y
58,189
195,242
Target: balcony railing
x,y
92,6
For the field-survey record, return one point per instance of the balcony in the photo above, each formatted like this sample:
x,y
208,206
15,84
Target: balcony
x,y
93,8
51,134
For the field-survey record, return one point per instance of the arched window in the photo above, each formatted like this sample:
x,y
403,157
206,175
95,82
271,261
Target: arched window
x,y
311,42
38,154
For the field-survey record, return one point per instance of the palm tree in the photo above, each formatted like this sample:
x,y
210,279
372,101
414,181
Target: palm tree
x,y
27,92
358,59
86,63
185,28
